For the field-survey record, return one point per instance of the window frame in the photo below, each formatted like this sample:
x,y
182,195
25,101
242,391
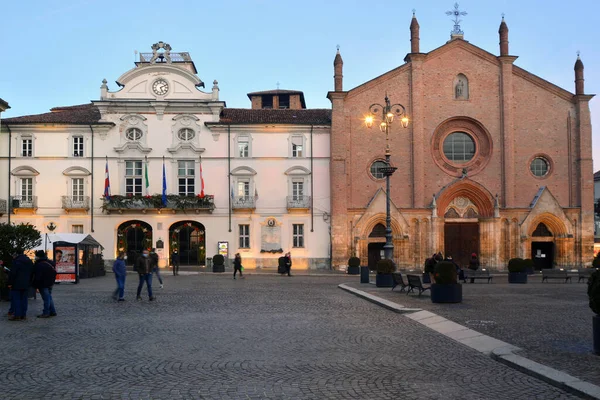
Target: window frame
x,y
189,179
77,198
549,165
30,189
74,226
133,128
77,149
26,153
247,141
187,138
371,174
298,238
133,177
244,236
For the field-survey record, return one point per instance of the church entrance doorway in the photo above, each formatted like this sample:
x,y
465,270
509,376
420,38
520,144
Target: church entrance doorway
x,y
132,238
189,238
460,241
376,253
542,254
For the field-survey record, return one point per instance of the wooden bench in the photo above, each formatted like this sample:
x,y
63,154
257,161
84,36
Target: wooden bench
x,y
414,282
398,281
585,273
472,275
555,274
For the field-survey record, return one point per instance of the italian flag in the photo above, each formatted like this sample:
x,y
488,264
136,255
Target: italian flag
x,y
147,180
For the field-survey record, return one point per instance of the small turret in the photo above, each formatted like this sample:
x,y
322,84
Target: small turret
x,y
503,31
579,76
104,90
414,34
338,66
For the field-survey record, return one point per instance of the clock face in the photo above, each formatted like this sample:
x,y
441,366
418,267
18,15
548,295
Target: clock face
x,y
160,87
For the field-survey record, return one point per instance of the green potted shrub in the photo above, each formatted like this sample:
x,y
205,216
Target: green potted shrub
x,y
218,263
445,289
516,271
594,296
353,266
528,266
384,278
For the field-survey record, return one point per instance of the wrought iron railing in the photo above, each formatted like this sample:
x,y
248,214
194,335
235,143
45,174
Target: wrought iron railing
x,y
3,206
298,202
174,202
241,202
175,57
23,202
76,202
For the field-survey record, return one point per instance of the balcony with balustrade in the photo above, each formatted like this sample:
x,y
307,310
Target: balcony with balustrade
x,y
75,203
154,203
298,203
23,204
243,203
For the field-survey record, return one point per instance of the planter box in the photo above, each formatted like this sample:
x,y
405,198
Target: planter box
x,y
596,333
353,270
517,277
384,280
448,293
218,268
364,274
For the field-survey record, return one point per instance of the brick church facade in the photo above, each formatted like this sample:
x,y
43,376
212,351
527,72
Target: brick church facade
x,y
495,161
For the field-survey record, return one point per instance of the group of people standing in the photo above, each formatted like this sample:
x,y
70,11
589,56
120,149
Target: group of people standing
x,y
146,266
437,257
284,265
25,274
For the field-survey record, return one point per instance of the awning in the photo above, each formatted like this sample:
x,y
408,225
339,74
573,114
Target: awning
x,y
73,238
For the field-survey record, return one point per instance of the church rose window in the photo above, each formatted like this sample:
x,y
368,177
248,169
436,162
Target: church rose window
x,y
376,169
133,134
459,147
539,167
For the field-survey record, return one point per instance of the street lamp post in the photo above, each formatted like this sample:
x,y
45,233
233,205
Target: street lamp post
x,y
388,112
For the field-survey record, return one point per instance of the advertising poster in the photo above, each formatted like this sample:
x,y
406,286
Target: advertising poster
x,y
66,263
223,248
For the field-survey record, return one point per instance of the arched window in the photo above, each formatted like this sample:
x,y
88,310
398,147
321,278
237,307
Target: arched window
x,y
378,231
542,231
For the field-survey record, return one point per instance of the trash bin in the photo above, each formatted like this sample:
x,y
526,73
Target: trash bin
x,y
364,274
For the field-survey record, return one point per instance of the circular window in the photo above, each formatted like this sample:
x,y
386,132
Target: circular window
x,y
539,167
186,134
376,171
459,147
133,134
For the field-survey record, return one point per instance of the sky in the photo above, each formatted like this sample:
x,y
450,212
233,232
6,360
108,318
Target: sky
x,y
57,52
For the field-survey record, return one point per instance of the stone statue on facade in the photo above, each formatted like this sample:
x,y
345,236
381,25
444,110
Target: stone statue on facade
x,y
164,55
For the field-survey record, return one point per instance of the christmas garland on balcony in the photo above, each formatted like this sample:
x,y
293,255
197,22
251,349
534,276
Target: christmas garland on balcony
x,y
174,201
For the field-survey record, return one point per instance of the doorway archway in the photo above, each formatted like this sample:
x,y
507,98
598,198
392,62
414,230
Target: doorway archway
x,y
132,238
189,238
375,246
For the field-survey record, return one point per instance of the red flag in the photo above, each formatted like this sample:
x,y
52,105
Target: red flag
x,y
106,182
201,181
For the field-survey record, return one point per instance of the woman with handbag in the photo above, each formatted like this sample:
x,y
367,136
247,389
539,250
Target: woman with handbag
x,y
237,265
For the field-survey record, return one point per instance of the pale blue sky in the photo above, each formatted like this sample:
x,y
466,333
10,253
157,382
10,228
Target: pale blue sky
x,y
56,52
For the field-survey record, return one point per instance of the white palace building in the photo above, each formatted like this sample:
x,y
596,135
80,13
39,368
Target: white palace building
x,y
257,179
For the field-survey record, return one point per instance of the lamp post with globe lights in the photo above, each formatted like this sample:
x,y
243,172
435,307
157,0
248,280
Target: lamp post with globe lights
x,y
388,113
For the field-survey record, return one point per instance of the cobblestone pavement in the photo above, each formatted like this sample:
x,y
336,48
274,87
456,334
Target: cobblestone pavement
x,y
551,322
209,336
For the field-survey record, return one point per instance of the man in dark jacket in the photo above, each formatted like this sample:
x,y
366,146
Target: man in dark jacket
x,y
143,266
120,274
44,276
19,281
155,270
175,262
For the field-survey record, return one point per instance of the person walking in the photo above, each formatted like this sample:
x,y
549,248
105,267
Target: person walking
x,y
44,276
288,263
175,262
19,281
237,265
120,271
155,269
143,266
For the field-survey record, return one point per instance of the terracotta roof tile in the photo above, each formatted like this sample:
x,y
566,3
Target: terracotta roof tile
x,y
83,114
239,116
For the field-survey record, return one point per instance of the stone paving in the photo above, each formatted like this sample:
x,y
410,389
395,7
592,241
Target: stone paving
x,y
208,336
551,322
